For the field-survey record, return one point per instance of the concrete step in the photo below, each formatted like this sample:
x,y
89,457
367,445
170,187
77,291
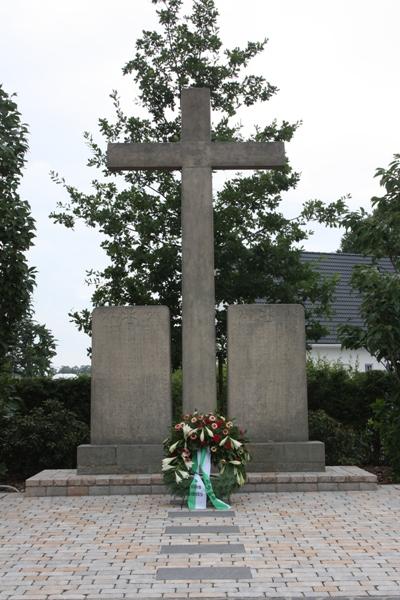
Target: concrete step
x,y
66,482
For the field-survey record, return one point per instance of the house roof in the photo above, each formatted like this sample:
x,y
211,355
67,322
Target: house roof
x,y
346,302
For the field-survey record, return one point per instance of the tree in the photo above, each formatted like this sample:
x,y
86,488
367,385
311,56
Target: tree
x,y
25,346
378,235
33,349
82,370
257,249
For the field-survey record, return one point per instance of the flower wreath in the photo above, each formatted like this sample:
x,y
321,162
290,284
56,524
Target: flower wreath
x,y
195,443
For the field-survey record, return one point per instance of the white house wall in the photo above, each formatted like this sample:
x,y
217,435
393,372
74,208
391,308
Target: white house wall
x,y
357,359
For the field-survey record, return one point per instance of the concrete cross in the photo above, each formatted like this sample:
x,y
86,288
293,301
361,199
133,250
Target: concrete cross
x,y
196,156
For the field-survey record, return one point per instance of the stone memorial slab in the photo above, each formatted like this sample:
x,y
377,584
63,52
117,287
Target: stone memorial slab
x,y
131,390
267,388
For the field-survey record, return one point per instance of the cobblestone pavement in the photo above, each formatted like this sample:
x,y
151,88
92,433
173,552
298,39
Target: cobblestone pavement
x,y
295,545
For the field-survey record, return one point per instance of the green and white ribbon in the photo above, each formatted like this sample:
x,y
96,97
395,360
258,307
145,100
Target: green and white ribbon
x,y
201,486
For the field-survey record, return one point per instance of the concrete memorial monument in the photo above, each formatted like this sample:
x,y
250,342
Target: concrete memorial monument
x,y
131,383
196,156
267,388
118,442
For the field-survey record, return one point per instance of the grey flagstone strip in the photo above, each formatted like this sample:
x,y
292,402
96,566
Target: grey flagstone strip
x,y
180,514
202,529
186,573
203,549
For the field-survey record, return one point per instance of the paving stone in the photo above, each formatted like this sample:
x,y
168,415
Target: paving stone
x,y
110,545
203,549
202,573
198,529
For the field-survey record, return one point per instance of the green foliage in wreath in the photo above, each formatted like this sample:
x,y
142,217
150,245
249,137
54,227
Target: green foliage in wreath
x,y
227,444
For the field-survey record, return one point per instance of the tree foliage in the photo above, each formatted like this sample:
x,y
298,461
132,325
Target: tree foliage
x,y
75,370
378,235
256,247
33,349
25,346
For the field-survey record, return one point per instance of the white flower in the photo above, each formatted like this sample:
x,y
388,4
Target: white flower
x,y
239,478
172,448
235,443
167,467
187,430
166,463
188,464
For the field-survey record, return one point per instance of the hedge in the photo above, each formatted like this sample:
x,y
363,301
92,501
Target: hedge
x,y
43,420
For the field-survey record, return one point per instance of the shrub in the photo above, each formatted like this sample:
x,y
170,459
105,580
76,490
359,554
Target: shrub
x,y
176,390
73,394
386,421
45,437
343,445
346,395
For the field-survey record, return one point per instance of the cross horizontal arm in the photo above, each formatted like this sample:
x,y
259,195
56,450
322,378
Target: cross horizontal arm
x,y
176,155
144,156
247,155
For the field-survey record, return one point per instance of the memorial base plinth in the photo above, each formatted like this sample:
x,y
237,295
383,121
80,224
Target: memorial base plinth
x,y
66,482
97,459
287,457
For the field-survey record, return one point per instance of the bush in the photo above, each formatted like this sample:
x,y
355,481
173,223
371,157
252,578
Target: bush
x,y
386,421
45,437
73,394
343,445
43,420
346,395
176,390
41,423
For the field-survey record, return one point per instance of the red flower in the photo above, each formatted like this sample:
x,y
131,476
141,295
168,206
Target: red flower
x,y
216,437
228,445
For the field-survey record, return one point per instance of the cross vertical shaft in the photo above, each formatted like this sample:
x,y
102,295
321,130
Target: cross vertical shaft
x,y
198,291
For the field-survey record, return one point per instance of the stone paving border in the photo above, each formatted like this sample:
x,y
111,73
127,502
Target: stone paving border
x,y
199,529
203,573
199,514
65,482
203,549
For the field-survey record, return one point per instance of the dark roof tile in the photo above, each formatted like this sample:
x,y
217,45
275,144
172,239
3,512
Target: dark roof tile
x,y
346,302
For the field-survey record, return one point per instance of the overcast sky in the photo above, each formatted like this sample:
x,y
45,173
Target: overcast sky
x,y
335,62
